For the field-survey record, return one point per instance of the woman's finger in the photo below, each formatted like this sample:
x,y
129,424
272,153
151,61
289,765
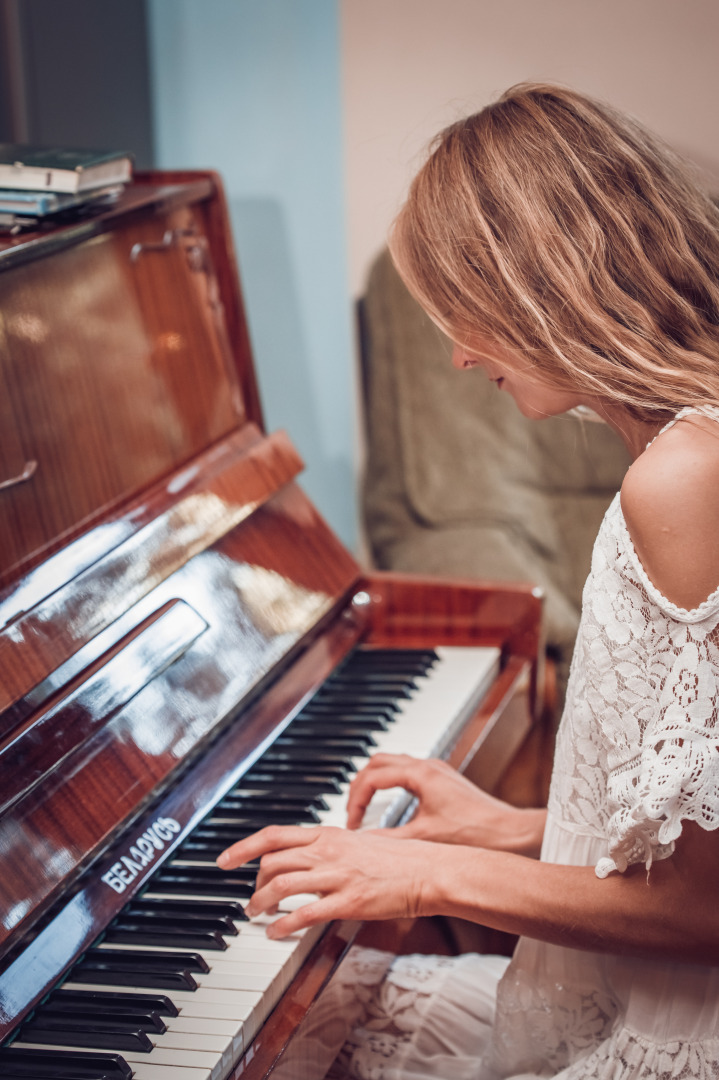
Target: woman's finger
x,y
271,893
271,838
318,911
370,780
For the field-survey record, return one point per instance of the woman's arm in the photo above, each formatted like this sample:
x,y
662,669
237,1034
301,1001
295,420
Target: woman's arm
x,y
671,910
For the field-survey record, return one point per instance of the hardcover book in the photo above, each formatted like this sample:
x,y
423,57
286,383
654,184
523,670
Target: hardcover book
x,y
61,168
45,203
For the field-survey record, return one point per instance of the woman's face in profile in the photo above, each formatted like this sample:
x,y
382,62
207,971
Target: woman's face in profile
x,y
534,396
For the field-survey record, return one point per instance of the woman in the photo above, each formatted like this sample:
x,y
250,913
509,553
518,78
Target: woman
x,y
571,256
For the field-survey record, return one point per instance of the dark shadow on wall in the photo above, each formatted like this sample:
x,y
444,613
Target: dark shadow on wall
x,y
279,343
76,73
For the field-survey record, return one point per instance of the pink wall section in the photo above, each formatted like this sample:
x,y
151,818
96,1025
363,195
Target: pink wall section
x,y
412,66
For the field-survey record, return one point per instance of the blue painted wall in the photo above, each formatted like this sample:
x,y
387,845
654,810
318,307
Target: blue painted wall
x,y
252,89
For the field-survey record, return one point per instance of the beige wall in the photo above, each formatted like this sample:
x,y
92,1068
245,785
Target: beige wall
x,y
411,66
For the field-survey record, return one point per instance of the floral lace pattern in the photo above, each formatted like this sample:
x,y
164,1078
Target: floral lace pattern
x,y
638,748
628,1056
395,994
546,1026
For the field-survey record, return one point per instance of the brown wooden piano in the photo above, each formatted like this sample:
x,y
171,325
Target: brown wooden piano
x,y
187,652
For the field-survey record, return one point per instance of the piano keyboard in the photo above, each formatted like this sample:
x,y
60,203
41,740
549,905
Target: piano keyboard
x,y
181,981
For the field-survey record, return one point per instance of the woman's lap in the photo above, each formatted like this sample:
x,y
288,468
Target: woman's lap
x,y
414,1017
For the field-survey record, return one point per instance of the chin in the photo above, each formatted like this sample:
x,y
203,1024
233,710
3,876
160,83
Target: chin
x,y
532,412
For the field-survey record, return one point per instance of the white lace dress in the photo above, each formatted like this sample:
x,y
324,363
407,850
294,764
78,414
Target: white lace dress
x,y
637,754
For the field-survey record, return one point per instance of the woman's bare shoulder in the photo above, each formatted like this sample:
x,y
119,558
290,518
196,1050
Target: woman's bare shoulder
x,y
670,501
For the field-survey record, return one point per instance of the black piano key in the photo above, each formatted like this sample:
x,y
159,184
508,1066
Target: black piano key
x,y
192,887
145,1021
371,684
265,806
152,979
334,744
227,908
202,851
57,1029
247,825
415,670
63,1064
240,875
219,924
403,658
339,699
305,756
134,932
51,1075
249,801
301,746
120,959
329,785
353,709
194,884
134,967
206,849
108,999
332,720
335,730
291,793
226,834
384,674
256,817
295,763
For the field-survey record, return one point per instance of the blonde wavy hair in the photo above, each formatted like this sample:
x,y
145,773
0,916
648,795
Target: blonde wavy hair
x,y
554,225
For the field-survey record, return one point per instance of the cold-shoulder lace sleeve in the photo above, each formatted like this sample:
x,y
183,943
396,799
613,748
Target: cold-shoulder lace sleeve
x,y
675,774
638,749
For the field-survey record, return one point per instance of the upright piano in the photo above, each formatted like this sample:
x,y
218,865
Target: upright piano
x,y
187,652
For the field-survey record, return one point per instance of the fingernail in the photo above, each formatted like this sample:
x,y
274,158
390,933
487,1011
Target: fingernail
x,y
222,860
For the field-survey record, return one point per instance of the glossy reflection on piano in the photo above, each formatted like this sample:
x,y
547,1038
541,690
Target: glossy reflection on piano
x,y
187,653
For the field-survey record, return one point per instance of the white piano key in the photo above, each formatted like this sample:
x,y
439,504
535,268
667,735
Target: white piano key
x,y
208,1025
221,1046
145,1070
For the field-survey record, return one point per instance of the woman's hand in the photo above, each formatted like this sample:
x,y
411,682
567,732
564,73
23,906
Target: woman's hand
x,y
451,810
369,875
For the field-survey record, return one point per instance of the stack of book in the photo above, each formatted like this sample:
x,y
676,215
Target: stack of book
x,y
40,184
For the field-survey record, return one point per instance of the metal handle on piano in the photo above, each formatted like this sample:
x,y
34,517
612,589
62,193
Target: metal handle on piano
x,y
28,471
169,240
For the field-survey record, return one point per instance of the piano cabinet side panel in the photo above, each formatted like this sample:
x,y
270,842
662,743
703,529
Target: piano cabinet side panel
x,y
416,611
